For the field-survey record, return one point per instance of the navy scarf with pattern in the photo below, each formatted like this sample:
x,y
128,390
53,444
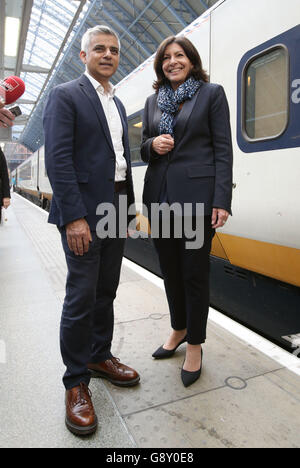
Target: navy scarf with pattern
x,y
169,101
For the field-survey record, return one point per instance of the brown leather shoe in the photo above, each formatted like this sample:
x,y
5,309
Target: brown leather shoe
x,y
80,414
116,372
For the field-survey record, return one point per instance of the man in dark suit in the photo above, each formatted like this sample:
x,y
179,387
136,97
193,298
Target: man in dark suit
x,y
88,163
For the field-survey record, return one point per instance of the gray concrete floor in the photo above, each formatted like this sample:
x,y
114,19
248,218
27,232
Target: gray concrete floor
x,y
243,399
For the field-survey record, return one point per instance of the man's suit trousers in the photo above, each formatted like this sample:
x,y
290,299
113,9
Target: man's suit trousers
x,y
87,322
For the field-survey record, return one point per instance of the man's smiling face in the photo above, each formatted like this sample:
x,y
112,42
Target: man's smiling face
x,y
102,58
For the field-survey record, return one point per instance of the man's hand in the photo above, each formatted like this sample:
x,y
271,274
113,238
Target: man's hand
x,y
6,118
219,218
79,236
6,203
163,144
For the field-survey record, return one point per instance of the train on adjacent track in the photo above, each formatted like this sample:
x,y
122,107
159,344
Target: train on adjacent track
x,y
251,48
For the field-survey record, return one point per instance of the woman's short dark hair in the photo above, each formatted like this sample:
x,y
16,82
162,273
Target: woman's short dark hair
x,y
191,52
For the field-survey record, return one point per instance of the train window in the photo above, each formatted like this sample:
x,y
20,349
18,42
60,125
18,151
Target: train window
x,y
266,88
135,125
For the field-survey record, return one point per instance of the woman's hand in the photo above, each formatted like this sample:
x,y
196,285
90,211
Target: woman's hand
x,y
163,144
219,218
6,203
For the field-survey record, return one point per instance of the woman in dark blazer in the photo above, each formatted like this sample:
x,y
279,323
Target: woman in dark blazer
x,y
187,145
4,184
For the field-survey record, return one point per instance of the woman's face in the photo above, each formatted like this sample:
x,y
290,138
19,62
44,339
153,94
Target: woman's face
x,y
176,65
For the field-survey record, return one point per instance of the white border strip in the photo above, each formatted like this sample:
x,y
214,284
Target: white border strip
x,y
285,359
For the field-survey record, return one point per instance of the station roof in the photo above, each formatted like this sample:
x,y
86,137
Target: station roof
x,y
49,32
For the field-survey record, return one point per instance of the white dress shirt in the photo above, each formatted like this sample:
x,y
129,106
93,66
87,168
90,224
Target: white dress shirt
x,y
114,124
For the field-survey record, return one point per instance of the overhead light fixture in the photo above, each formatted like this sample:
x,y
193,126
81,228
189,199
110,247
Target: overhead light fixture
x,y
12,33
138,125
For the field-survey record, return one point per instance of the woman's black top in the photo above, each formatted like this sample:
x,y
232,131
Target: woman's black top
x,y
4,178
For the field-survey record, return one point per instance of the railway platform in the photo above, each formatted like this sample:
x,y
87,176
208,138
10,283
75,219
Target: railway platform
x,y
248,395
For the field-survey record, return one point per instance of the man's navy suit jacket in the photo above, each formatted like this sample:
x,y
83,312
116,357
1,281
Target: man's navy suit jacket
x,y
79,154
199,169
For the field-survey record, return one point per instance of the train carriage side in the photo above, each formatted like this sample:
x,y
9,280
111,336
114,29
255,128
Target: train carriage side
x,y
257,62
27,178
32,181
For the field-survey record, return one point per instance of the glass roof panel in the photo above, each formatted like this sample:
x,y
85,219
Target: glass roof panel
x,y
49,23
48,26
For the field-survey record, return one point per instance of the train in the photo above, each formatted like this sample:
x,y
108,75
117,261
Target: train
x,y
251,48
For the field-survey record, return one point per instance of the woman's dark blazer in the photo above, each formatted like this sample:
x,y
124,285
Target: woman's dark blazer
x,y
199,169
4,179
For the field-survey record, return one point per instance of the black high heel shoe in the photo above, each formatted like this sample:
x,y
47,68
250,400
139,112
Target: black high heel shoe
x,y
162,353
187,377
